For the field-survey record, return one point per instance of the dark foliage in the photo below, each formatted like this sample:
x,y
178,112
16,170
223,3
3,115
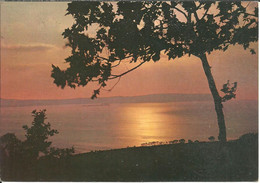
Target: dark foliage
x,y
38,134
140,32
19,160
211,138
190,141
182,141
203,161
229,91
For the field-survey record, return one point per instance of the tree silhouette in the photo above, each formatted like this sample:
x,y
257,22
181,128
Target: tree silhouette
x,y
11,144
20,158
37,135
211,138
139,32
182,141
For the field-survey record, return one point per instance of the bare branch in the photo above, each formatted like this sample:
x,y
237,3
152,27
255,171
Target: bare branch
x,y
103,58
199,5
196,16
248,4
117,59
94,80
116,64
116,76
113,85
249,14
204,14
181,12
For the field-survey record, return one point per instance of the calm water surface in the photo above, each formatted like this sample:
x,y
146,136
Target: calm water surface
x,y
120,125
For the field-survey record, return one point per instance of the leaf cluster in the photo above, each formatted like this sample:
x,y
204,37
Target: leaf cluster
x,y
36,141
11,144
229,91
37,135
60,153
143,31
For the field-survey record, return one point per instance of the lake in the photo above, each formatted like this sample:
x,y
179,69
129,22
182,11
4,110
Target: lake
x,y
109,126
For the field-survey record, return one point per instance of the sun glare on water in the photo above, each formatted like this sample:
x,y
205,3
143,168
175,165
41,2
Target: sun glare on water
x,y
147,123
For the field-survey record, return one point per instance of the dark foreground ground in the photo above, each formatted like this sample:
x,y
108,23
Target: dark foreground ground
x,y
205,161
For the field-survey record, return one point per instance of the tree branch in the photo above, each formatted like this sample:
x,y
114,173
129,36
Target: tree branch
x,y
116,64
196,16
205,14
199,5
118,59
113,85
249,14
116,76
103,58
181,12
248,4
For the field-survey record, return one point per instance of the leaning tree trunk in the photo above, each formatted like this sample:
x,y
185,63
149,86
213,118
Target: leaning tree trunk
x,y
216,97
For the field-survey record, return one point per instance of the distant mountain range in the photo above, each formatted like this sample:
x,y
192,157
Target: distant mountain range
x,y
155,98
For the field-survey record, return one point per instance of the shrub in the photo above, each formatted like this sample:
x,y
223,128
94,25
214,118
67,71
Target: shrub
x,y
211,138
37,135
182,141
249,137
21,157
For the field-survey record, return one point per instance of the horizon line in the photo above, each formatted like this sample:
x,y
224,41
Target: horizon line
x,y
114,96
117,96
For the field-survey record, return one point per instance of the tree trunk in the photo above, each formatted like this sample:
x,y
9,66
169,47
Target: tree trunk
x,y
216,97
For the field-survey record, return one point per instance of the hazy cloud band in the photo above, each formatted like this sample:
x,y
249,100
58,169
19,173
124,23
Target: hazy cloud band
x,y
28,48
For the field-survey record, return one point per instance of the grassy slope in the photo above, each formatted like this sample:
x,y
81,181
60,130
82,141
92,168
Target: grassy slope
x,y
235,161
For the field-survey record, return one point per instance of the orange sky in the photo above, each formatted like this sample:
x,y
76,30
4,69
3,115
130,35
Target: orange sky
x,y
31,41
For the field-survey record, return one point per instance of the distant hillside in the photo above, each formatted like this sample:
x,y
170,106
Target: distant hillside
x,y
155,98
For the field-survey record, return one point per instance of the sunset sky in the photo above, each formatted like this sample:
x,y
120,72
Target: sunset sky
x,y
31,41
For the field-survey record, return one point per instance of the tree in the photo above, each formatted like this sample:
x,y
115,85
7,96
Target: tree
x,y
139,32
182,141
10,144
37,135
19,159
211,138
10,153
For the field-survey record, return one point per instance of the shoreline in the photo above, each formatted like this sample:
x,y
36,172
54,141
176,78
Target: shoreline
x,y
236,160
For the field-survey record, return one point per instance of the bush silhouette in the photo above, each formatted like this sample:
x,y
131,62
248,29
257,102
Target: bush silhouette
x,y
10,144
248,138
173,142
37,135
182,141
18,159
211,138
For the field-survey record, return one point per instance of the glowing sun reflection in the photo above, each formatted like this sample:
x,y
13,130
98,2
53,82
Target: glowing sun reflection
x,y
146,123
